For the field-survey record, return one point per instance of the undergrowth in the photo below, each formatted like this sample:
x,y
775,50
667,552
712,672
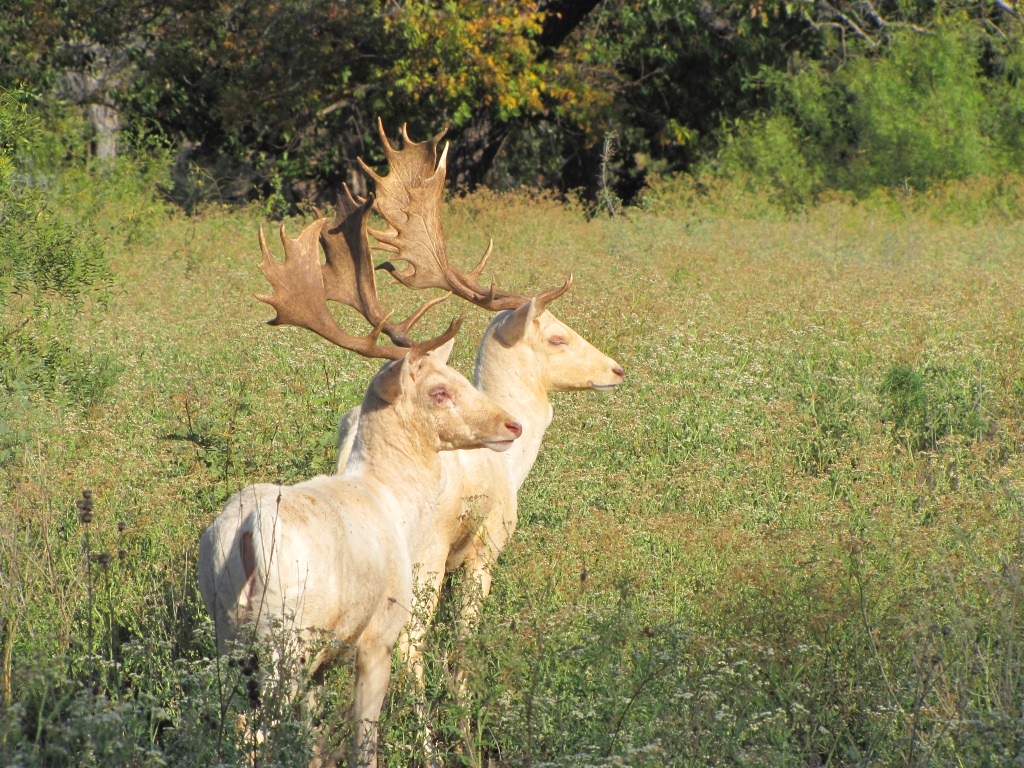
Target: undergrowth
x,y
793,537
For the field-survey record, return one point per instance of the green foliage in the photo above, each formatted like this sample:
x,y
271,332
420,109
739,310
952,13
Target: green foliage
x,y
55,276
926,406
733,559
284,116
769,152
49,267
165,710
907,406
921,112
457,58
828,394
276,101
114,695
40,251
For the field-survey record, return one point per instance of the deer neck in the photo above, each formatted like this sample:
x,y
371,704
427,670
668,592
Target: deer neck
x,y
515,383
391,451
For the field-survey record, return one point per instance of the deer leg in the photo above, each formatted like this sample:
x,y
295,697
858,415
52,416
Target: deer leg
x,y
373,672
478,586
410,649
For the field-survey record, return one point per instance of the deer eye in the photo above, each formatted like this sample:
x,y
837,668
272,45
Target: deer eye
x,y
557,341
441,396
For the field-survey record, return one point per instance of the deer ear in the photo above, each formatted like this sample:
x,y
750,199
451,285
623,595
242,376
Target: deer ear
x,y
515,324
389,383
442,353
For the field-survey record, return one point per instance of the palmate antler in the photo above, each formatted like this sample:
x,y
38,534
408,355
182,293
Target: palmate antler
x,y
349,275
409,199
302,285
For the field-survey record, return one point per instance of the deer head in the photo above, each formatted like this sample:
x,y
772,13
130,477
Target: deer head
x,y
448,411
564,360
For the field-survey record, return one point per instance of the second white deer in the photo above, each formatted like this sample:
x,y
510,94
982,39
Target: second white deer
x,y
525,354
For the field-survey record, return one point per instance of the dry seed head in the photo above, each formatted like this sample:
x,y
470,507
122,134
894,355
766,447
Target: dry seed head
x,y
84,506
84,515
252,688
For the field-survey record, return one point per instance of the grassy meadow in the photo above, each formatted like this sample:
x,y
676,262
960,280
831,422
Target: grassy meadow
x,y
791,538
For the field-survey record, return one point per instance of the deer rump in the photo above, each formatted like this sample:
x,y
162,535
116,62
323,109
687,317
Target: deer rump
x,y
299,556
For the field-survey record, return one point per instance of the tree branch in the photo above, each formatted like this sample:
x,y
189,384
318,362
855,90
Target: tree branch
x,y
850,23
712,22
1012,10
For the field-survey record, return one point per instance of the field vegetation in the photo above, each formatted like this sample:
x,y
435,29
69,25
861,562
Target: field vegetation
x,y
793,537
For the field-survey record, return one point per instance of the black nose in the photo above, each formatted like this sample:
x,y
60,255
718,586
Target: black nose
x,y
619,372
514,427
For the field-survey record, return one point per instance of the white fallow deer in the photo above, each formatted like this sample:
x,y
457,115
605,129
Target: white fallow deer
x,y
340,552
526,353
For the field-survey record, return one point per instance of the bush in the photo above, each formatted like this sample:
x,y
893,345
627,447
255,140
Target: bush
x,y
923,112
769,152
40,251
919,114
924,406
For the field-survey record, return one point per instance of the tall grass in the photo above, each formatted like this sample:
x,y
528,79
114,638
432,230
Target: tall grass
x,y
791,538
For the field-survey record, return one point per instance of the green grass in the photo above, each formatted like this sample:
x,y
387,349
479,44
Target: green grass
x,y
791,538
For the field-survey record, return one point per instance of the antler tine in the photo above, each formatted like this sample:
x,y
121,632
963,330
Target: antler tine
x,y
300,297
475,272
542,300
348,273
437,341
409,199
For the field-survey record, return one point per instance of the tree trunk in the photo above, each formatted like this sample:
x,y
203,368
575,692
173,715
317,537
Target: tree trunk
x,y
480,142
106,121
478,145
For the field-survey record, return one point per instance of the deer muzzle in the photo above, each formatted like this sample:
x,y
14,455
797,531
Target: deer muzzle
x,y
511,430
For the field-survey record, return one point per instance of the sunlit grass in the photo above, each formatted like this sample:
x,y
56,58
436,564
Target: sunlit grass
x,y
755,558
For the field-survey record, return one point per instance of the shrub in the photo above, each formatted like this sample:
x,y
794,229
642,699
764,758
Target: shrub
x,y
769,151
919,113
113,696
924,406
923,112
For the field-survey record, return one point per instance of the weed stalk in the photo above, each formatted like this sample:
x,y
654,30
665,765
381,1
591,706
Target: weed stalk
x,y
84,506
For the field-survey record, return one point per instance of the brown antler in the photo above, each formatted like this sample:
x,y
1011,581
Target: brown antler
x,y
301,292
409,199
349,274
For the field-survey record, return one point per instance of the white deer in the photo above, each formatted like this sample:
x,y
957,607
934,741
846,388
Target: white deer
x,y
525,354
340,552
